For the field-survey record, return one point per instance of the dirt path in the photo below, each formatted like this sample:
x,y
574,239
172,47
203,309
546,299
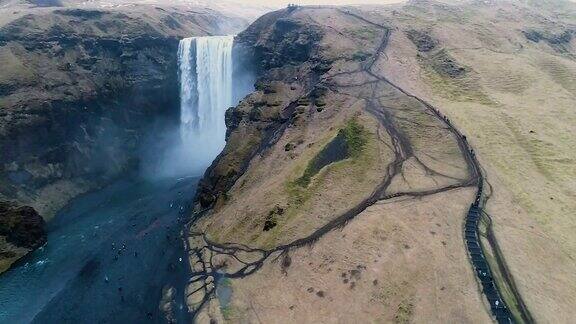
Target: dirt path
x,y
204,256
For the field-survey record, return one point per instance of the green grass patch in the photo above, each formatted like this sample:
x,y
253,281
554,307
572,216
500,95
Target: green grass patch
x,y
349,143
225,282
363,33
356,137
362,153
464,88
227,312
360,56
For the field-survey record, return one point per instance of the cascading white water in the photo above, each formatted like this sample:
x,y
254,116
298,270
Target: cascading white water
x,y
206,91
214,75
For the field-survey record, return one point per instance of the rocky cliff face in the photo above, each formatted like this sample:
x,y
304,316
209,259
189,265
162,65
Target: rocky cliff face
x,y
80,91
274,41
21,231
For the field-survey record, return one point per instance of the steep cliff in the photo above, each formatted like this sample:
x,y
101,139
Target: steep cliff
x,y
79,89
257,120
82,90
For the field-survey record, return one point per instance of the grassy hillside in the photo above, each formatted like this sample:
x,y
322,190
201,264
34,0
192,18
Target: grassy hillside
x,y
383,227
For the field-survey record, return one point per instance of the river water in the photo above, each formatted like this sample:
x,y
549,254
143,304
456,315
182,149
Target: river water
x,y
109,254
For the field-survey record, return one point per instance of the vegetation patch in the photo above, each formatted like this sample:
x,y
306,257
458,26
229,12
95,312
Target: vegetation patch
x,y
363,33
423,41
349,143
404,312
450,80
360,56
272,218
446,65
309,176
227,312
224,294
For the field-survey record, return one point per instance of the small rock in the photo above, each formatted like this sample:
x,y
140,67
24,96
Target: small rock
x,y
289,147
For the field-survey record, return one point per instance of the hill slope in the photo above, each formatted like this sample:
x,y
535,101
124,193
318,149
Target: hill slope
x,y
343,180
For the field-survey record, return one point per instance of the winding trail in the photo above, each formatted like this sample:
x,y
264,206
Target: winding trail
x,y
206,269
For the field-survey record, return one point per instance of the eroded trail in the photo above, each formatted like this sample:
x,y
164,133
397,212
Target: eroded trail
x,y
379,97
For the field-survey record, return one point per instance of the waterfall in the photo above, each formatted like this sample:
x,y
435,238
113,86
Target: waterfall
x,y
214,75
206,91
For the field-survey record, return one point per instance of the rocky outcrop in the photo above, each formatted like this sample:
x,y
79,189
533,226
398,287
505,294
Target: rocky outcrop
x,y
423,41
22,226
81,89
21,231
560,40
446,65
553,39
276,41
288,41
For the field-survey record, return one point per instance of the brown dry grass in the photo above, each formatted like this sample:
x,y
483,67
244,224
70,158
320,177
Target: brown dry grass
x,y
390,244
400,261
269,182
407,256
523,136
